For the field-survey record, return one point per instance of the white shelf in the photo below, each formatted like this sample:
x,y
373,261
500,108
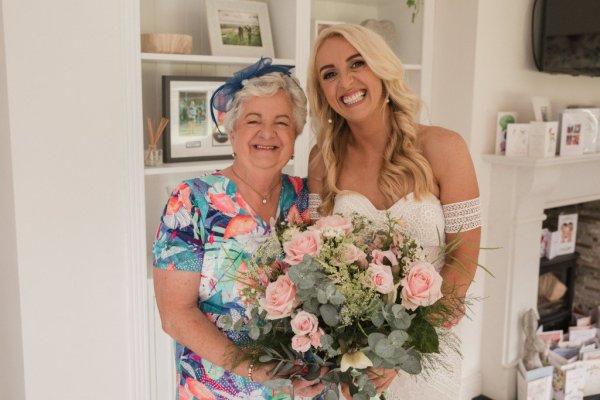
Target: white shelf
x,y
178,168
226,60
540,162
208,60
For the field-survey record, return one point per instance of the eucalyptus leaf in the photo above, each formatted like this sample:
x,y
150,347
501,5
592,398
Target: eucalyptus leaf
x,y
267,328
374,338
306,283
254,333
383,348
397,338
412,364
322,297
369,388
239,324
360,396
226,321
330,315
337,299
331,395
265,358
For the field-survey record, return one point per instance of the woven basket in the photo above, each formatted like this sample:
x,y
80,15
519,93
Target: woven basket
x,y
170,43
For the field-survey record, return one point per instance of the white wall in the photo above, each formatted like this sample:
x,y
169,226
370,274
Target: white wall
x,y
452,102
67,128
491,45
11,363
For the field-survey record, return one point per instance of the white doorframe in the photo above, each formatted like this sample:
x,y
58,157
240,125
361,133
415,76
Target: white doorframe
x,y
138,329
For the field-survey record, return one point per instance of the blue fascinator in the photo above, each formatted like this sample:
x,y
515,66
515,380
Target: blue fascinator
x,y
222,97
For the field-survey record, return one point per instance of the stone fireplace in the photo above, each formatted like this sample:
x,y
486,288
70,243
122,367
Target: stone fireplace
x,y
522,188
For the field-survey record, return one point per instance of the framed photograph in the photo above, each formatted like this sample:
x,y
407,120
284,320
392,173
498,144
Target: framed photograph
x,y
239,28
571,132
322,24
191,134
541,109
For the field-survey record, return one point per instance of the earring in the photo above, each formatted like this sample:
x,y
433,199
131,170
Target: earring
x,y
292,158
234,155
387,99
329,120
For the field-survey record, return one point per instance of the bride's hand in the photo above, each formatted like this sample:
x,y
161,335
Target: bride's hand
x,y
381,378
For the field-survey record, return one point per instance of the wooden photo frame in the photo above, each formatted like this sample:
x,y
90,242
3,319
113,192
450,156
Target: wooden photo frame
x,y
239,28
191,134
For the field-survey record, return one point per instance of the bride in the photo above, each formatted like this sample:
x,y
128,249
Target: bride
x,y
372,157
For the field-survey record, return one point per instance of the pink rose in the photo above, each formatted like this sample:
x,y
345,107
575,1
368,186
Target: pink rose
x,y
381,278
301,343
304,323
422,286
378,257
354,254
301,244
315,338
279,300
334,222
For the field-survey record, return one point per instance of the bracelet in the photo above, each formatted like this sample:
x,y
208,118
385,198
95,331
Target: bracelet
x,y
250,367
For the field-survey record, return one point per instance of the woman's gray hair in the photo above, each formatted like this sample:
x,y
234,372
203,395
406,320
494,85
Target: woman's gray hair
x,y
268,85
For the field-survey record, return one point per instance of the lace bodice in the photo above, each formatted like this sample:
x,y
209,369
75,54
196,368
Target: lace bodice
x,y
424,218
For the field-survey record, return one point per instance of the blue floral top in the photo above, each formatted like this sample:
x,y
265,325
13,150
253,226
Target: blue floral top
x,y
207,227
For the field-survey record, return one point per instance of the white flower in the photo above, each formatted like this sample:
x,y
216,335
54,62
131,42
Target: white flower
x,y
356,360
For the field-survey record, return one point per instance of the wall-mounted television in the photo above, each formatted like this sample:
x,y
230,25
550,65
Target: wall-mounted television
x,y
569,36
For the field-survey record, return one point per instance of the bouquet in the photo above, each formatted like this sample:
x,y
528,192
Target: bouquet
x,y
342,294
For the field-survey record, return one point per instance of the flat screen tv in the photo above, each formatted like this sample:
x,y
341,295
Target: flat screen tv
x,y
569,37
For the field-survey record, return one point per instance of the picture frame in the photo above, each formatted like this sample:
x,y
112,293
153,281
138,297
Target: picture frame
x,y
541,108
571,134
239,28
191,134
321,24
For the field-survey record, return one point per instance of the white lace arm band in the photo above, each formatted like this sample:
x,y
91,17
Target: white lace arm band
x,y
314,201
462,216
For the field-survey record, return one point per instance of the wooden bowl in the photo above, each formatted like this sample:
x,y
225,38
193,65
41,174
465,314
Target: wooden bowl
x,y
170,43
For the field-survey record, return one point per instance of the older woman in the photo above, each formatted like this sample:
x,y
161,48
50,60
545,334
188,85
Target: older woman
x,y
211,225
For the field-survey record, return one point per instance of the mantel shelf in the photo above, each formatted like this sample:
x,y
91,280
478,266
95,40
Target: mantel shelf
x,y
539,162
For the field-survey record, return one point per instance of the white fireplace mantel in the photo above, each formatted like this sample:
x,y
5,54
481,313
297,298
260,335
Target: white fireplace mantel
x,y
521,189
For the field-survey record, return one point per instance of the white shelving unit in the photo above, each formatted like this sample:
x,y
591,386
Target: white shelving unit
x,y
292,24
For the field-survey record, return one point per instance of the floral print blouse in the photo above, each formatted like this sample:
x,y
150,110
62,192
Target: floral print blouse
x,y
207,227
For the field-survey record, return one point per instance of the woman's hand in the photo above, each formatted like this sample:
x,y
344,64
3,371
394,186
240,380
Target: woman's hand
x,y
381,378
309,388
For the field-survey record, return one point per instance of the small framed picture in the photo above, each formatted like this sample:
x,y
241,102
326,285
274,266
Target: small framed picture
x,y
191,134
571,133
322,24
239,28
541,109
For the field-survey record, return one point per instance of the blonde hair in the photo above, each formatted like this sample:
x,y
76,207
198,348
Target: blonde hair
x,y
268,85
403,163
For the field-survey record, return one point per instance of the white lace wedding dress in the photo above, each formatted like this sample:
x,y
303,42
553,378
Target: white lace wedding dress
x,y
425,222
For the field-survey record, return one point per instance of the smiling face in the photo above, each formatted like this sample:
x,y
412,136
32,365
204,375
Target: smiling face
x,y
349,85
263,136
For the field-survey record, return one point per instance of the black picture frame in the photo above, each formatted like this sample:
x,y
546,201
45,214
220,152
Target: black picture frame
x,y
191,134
